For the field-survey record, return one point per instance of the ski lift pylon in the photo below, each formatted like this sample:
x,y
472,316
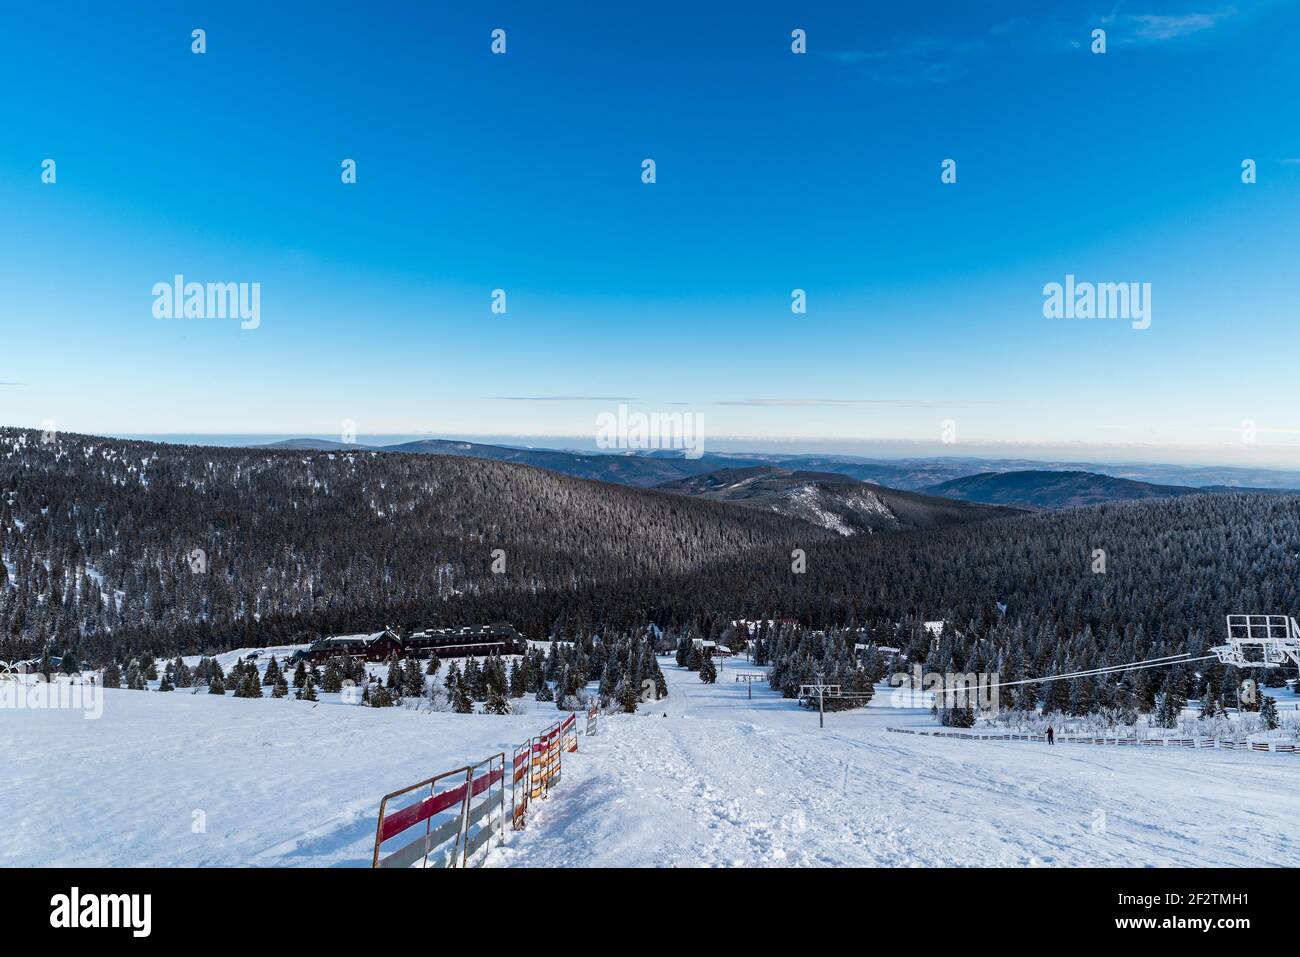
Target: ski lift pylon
x,y
1260,641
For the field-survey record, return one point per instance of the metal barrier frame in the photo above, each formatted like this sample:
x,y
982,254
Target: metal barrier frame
x,y
496,771
538,763
539,785
569,733
426,805
522,770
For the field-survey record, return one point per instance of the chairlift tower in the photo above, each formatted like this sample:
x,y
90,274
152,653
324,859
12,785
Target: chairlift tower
x,y
1260,641
822,691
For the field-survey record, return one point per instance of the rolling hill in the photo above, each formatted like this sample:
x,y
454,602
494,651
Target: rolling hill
x,y
831,501
639,470
1036,488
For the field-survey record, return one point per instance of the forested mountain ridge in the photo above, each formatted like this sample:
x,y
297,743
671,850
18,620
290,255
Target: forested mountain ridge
x,y
642,471
325,538
1040,488
833,501
95,536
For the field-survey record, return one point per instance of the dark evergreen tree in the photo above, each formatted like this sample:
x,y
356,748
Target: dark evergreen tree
x,y
1268,711
708,673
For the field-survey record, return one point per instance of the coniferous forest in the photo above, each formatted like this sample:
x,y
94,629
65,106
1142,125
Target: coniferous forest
x,y
113,549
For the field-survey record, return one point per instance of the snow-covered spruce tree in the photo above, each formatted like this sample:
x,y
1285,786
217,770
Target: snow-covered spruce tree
x,y
954,709
544,692
272,672
1056,699
474,680
657,675
378,696
300,673
217,685
184,677
1171,705
280,688
461,702
497,703
113,675
334,673
1268,711
434,664
308,691
1082,697
708,673
494,677
626,696
165,684
413,686
694,658
683,651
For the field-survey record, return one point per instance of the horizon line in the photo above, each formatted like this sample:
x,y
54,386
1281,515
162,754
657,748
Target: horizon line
x,y
1058,451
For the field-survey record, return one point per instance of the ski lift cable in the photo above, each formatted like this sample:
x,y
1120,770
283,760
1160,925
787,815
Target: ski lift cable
x,y
1165,661
1113,669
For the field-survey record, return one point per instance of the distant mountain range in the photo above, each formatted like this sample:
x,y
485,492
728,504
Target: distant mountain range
x,y
1038,488
646,469
835,502
642,471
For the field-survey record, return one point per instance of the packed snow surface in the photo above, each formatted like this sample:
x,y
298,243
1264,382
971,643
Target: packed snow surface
x,y
182,779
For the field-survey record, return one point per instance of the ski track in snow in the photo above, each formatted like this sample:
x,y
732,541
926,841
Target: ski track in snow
x,y
720,781
723,781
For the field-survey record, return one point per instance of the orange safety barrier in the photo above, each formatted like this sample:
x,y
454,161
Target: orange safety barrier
x,y
520,765
545,765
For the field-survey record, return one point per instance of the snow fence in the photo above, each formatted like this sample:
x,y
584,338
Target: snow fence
x,y
1227,744
445,820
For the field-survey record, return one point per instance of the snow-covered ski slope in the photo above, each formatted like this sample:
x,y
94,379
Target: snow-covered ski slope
x,y
720,781
723,781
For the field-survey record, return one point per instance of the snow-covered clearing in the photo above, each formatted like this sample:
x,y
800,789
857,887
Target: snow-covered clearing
x,y
719,781
725,781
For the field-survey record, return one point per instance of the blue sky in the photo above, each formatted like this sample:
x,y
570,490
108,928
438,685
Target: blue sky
x,y
774,171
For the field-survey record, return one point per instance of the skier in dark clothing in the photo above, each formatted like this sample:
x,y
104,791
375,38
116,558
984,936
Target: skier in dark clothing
x,y
1051,735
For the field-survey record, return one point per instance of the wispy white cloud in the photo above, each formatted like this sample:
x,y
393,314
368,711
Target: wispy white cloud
x,y
567,398
832,403
919,59
934,58
1147,28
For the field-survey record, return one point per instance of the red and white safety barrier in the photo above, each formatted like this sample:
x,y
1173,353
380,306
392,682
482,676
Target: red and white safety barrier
x,y
444,820
569,733
448,825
